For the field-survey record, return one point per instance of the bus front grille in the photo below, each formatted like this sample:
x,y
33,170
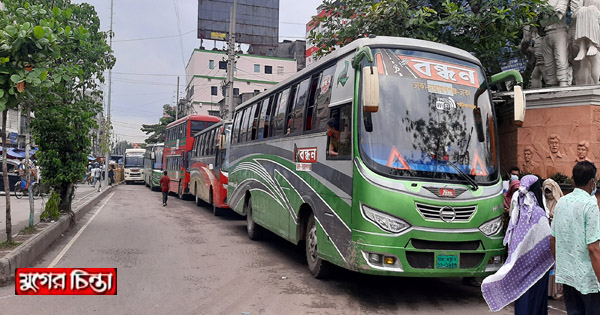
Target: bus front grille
x,y
439,245
446,213
470,260
420,260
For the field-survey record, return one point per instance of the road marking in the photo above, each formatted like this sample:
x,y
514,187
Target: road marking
x,y
556,309
72,241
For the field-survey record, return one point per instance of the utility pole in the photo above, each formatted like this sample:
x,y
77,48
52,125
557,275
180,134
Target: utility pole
x,y
177,101
231,61
109,125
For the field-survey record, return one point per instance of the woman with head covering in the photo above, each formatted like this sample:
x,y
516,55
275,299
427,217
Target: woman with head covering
x,y
524,277
508,199
552,193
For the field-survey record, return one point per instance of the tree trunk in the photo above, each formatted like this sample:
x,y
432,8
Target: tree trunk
x,y
28,164
67,192
5,177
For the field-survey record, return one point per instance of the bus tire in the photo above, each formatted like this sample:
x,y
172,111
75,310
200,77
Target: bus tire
x,y
254,230
318,267
216,210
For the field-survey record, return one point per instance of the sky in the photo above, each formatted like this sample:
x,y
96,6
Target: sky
x,y
151,55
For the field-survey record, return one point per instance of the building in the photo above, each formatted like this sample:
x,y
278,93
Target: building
x,y
286,49
15,129
314,26
206,73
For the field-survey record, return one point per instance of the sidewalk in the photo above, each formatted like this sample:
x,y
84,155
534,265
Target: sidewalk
x,y
34,245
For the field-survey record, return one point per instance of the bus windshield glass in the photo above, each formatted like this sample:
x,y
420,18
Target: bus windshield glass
x,y
134,159
158,157
430,122
200,125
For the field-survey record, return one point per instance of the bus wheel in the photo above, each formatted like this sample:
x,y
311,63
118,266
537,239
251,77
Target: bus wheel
x,y
180,192
317,267
254,230
216,210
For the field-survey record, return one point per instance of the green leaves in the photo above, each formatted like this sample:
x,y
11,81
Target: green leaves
x,y
11,30
38,32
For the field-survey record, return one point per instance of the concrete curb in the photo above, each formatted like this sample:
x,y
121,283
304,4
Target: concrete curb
x,y
31,249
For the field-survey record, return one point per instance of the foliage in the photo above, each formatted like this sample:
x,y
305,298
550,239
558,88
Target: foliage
x,y
29,230
51,210
105,137
484,28
121,146
561,178
9,244
158,130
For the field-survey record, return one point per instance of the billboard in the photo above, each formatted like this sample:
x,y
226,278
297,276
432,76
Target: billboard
x,y
257,21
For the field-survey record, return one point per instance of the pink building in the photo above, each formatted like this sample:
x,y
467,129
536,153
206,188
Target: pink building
x,y
206,74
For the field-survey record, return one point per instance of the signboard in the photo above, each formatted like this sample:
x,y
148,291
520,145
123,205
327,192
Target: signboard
x,y
514,64
13,137
257,21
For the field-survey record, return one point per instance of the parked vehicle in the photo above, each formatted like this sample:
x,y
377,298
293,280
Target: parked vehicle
x,y
13,174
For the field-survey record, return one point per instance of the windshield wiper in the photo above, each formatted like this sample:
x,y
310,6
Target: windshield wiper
x,y
465,176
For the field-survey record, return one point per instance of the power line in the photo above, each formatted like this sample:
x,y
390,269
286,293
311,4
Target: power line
x,y
151,38
179,31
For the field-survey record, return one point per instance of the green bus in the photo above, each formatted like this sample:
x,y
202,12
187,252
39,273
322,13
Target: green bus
x,y
382,157
153,165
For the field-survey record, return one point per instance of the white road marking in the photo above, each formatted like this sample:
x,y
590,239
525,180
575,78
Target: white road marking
x,y
72,241
556,309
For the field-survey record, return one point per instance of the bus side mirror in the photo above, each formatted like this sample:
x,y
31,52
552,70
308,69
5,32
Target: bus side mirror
x,y
519,105
370,90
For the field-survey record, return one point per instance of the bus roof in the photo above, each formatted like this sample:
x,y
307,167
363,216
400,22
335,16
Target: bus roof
x,y
134,150
379,41
196,118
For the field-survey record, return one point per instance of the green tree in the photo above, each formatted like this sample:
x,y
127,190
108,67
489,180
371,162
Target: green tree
x,y
121,146
157,131
30,37
484,28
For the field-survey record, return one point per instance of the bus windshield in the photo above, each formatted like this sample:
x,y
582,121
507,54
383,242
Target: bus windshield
x,y
158,157
429,123
134,160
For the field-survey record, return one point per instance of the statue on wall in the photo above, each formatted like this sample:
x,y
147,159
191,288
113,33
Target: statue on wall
x,y
583,149
529,166
531,46
586,37
555,45
554,145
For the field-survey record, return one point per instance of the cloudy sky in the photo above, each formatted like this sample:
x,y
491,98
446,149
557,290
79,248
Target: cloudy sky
x,y
151,54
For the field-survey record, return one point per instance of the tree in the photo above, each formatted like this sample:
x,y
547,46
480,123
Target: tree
x,y
158,130
121,146
484,28
29,38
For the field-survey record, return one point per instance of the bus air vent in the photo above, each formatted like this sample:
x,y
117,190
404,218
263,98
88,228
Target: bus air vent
x,y
470,260
446,213
437,245
420,260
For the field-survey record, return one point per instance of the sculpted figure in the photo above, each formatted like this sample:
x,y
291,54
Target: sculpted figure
x,y
555,45
529,166
586,36
531,45
554,144
583,148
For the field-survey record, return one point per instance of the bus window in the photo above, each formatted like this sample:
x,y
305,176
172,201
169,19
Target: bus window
x,y
321,112
254,124
297,111
274,108
244,126
211,142
236,127
339,129
263,125
288,112
314,84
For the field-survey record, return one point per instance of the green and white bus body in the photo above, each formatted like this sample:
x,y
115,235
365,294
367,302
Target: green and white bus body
x,y
153,167
411,188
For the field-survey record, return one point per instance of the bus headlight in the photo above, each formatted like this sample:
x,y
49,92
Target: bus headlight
x,y
491,227
384,221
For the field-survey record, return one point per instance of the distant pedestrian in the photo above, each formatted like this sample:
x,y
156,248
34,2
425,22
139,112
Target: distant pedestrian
x,y
164,187
111,175
96,172
523,279
552,194
576,243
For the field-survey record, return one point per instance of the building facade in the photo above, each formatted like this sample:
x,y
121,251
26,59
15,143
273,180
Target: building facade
x,y
206,73
287,49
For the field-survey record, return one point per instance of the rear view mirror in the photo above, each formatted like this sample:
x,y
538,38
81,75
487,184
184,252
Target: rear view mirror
x,y
519,105
370,90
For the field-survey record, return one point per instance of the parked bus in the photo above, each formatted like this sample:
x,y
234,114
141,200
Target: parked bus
x,y
179,141
208,167
153,165
382,157
133,165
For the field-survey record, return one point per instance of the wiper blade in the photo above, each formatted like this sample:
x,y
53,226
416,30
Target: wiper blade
x,y
465,176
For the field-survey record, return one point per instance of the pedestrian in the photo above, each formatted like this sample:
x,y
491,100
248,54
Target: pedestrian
x,y
552,193
111,175
575,243
97,176
524,277
164,187
510,197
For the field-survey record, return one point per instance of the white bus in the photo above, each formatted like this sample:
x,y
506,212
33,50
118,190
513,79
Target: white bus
x,y
133,164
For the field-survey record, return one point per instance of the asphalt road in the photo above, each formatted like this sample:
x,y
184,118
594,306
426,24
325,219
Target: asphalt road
x,y
180,259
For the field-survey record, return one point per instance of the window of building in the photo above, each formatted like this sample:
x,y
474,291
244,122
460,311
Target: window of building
x,y
211,64
279,70
268,69
256,68
214,113
223,65
214,90
270,53
236,91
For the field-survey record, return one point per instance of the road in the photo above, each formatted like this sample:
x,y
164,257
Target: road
x,y
20,209
180,259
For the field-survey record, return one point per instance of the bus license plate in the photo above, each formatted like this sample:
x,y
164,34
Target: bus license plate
x,y
447,262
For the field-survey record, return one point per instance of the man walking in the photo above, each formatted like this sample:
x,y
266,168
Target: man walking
x,y
164,187
575,242
97,176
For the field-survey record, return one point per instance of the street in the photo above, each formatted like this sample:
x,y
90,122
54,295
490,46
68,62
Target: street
x,y
180,259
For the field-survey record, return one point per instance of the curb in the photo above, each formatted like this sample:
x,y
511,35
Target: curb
x,y
31,249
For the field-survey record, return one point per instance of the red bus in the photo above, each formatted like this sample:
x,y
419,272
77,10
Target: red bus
x,y
208,166
179,141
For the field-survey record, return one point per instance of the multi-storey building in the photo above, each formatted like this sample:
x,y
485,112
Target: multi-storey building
x,y
206,73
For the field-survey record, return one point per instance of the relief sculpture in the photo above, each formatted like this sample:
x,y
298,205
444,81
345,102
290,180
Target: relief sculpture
x,y
529,166
583,149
